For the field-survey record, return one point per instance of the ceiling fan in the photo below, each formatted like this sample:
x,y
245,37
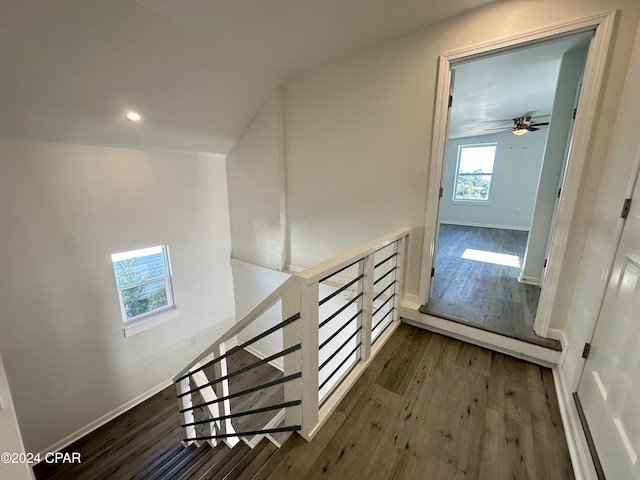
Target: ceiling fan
x,y
522,125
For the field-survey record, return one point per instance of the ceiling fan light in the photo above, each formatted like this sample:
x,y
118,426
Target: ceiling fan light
x,y
520,131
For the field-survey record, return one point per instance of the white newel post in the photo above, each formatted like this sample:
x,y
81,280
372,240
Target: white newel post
x,y
292,335
186,402
222,390
309,335
365,303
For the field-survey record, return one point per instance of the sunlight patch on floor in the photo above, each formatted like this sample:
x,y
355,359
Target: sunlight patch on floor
x,y
492,257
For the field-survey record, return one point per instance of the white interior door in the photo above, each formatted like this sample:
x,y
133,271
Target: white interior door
x,y
609,390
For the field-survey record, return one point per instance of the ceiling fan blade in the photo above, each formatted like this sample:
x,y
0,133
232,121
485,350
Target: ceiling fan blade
x,y
538,124
532,129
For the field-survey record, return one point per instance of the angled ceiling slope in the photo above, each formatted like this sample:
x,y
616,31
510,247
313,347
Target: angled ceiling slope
x,y
197,69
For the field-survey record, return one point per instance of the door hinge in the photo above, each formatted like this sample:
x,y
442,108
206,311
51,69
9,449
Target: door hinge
x,y
585,350
559,191
625,208
575,112
433,272
450,100
545,263
441,191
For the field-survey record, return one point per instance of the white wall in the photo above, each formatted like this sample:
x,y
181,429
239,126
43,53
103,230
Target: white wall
x,y
357,133
64,209
251,285
10,438
516,170
571,70
255,169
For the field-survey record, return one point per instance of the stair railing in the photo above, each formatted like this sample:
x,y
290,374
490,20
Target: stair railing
x,y
320,329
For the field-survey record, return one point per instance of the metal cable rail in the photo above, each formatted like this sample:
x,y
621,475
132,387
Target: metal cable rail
x,y
374,340
282,324
244,369
384,290
288,378
340,290
245,413
292,428
391,297
351,337
381,262
340,366
380,279
338,271
340,310
334,334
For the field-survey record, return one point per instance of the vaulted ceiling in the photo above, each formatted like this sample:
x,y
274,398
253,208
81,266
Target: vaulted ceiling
x,y
198,70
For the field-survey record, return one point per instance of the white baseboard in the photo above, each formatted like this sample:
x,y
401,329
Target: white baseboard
x,y
583,468
485,225
529,280
107,417
278,363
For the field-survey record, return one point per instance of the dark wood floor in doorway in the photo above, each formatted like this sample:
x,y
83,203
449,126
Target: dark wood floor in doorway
x,y
476,282
431,407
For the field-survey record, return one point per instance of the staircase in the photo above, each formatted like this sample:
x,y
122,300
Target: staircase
x,y
318,330
206,462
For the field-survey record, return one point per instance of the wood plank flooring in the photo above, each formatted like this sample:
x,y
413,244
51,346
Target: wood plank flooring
x,y
126,445
482,294
431,407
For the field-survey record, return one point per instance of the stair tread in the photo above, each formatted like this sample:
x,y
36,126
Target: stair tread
x,y
218,454
275,459
184,465
166,461
253,461
222,468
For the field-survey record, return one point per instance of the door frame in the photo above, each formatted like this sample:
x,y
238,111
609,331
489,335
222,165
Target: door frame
x,y
602,24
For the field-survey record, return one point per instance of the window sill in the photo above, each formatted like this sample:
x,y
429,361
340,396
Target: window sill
x,y
137,326
483,203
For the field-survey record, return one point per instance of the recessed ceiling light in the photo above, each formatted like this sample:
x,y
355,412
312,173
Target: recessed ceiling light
x,y
133,116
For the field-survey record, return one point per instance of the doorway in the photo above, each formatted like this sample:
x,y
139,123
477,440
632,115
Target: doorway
x,y
602,26
504,160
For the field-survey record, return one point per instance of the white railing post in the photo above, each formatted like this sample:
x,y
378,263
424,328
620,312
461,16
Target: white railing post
x,y
309,337
292,335
365,303
186,402
401,245
222,390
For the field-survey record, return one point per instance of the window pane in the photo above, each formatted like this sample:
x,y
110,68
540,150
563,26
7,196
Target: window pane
x,y
473,187
476,159
139,266
144,299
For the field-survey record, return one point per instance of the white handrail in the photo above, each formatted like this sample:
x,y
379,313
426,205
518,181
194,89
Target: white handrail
x,y
333,265
299,295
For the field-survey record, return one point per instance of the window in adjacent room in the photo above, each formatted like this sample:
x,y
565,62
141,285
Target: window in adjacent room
x,y
474,173
145,290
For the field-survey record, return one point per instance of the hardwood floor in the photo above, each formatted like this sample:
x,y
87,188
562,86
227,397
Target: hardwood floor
x,y
427,407
430,407
484,294
126,445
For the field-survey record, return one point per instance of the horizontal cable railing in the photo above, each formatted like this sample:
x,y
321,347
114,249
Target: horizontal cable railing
x,y
309,340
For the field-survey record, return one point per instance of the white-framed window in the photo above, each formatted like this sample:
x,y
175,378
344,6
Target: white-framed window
x,y
474,173
145,287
